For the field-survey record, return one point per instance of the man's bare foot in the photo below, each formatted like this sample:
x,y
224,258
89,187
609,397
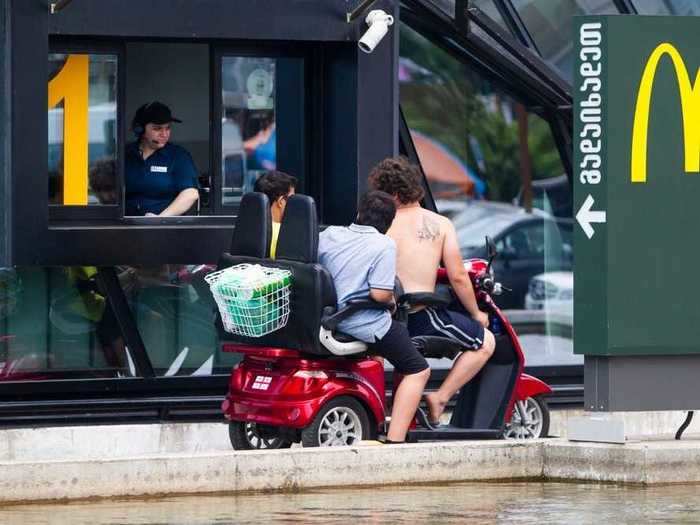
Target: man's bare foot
x,y
435,408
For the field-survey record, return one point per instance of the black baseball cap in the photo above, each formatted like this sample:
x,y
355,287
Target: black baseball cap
x,y
154,113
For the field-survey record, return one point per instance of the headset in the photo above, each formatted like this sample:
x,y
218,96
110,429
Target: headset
x,y
137,125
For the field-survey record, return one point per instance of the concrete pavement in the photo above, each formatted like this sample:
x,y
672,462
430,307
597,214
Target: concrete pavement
x,y
147,460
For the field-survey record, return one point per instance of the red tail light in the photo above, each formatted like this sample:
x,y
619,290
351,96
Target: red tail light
x,y
237,378
305,381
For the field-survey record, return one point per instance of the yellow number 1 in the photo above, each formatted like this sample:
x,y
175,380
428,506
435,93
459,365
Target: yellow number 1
x,y
70,85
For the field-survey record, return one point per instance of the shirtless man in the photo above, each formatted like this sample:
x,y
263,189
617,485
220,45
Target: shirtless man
x,y
424,239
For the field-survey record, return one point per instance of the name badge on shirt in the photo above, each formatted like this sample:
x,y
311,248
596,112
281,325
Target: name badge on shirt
x,y
159,169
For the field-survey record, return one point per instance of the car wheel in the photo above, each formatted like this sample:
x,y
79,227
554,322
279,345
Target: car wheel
x,y
248,436
530,419
343,421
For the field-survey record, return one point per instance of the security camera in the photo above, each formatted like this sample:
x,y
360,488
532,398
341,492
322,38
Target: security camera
x,y
378,22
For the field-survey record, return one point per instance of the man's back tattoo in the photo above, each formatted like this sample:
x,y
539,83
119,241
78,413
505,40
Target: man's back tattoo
x,y
430,230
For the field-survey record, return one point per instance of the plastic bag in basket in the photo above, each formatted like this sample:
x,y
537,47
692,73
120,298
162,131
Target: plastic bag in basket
x,y
253,300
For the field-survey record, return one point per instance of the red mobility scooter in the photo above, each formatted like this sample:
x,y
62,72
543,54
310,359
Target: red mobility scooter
x,y
309,383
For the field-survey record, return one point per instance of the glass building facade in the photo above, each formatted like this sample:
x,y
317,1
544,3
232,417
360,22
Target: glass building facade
x,y
492,159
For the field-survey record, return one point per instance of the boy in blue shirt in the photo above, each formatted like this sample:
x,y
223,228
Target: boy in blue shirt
x,y
362,262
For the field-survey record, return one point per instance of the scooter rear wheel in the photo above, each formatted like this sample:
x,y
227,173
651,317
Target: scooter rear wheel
x,y
247,436
342,421
530,419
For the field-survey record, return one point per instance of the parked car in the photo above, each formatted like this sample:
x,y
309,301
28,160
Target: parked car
x,y
551,291
473,210
528,244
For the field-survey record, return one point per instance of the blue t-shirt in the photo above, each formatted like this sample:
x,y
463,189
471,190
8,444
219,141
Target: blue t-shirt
x,y
152,184
359,258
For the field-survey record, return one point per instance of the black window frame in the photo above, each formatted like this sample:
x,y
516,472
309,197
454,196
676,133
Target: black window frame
x,y
59,213
107,241
275,51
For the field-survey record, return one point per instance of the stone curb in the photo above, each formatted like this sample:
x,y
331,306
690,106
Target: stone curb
x,y
293,469
651,462
300,469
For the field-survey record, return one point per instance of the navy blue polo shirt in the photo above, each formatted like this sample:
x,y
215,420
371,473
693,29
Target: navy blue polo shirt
x,y
152,184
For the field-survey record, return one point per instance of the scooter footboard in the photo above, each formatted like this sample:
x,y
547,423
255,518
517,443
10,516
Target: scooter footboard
x,y
482,403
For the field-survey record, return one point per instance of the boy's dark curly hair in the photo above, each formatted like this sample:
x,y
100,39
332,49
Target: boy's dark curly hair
x,y
398,177
275,184
377,209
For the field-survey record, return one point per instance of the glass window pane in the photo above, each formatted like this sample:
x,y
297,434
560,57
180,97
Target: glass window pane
x,y
56,323
167,161
82,120
174,314
667,7
494,169
248,138
489,8
549,23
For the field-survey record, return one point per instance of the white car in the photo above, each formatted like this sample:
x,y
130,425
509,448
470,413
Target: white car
x,y
551,291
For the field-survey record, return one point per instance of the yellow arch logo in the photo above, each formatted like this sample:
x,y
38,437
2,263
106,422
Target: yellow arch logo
x,y
690,106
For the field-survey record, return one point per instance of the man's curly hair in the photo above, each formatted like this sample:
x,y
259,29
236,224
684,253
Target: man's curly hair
x,y
399,178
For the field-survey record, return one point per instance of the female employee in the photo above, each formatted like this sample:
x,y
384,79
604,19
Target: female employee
x,y
161,178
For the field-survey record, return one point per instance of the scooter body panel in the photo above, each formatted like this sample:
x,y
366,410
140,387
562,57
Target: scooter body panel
x,y
290,391
530,386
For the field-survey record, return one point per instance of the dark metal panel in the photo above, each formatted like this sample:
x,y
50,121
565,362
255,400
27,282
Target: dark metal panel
x,y
29,49
126,388
641,383
595,383
290,109
5,158
360,110
226,19
340,131
153,245
377,102
315,94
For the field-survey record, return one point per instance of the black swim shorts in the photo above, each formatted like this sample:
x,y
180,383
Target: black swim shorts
x,y
396,346
447,323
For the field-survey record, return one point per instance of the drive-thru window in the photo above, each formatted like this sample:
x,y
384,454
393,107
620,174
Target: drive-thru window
x,y
108,310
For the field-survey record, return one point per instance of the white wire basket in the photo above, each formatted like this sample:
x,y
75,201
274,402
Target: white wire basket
x,y
253,300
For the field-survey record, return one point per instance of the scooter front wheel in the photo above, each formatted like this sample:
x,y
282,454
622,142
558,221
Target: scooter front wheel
x,y
342,421
530,419
248,436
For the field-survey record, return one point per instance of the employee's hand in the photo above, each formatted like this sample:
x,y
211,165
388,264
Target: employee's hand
x,y
482,318
149,214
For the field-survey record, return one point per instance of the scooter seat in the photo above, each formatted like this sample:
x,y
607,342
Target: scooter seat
x,y
341,344
437,347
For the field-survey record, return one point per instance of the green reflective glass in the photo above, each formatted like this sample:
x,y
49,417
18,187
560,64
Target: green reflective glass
x,y
494,169
549,23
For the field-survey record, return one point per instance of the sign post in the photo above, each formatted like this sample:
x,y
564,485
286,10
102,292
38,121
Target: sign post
x,y
637,208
